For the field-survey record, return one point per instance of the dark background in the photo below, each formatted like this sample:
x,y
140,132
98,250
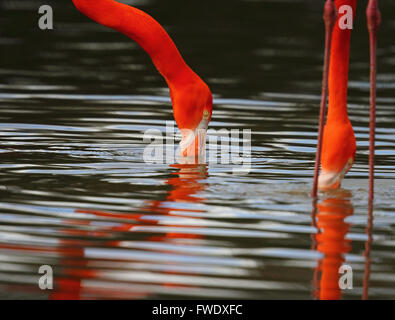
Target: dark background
x,y
240,48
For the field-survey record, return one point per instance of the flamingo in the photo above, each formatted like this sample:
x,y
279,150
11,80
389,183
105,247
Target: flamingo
x,y
191,97
336,142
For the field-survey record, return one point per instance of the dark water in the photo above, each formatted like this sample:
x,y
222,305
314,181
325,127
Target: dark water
x,y
76,194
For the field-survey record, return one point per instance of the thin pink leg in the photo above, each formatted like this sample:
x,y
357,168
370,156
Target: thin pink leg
x,y
374,20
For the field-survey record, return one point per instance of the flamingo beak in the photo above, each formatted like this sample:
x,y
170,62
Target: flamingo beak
x,y
329,180
193,144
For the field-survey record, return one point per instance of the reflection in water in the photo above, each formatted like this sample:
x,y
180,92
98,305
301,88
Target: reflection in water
x,y
185,183
329,219
332,243
368,246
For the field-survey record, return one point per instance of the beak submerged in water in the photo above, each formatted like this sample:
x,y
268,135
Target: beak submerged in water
x,y
193,144
332,179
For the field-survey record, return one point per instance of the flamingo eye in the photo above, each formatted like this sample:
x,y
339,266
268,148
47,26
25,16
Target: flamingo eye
x,y
206,114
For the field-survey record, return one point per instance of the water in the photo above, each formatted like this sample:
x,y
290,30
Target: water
x,y
76,195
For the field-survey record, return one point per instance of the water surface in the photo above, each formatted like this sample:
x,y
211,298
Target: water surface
x,y
76,195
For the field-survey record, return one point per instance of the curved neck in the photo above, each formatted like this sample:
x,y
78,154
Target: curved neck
x,y
147,32
339,65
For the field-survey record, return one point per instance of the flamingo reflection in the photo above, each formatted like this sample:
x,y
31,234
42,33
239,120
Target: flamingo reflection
x,y
185,183
332,243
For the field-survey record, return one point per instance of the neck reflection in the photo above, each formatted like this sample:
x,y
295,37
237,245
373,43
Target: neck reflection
x,y
186,183
331,242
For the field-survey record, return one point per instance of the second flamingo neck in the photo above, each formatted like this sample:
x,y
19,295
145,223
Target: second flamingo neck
x,y
338,73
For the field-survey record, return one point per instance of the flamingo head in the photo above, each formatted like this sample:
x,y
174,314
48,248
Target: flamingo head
x,y
192,107
338,154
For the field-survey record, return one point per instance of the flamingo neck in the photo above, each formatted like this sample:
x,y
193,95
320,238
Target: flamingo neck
x,y
339,66
146,31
